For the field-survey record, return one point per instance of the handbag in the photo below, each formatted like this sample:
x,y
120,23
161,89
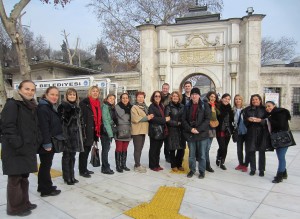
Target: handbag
x,y
282,139
157,132
213,123
95,158
123,132
59,143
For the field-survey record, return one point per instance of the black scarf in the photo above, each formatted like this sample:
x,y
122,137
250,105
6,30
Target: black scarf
x,y
31,104
126,108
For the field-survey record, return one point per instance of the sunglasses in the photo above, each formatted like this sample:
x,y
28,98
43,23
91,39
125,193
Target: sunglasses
x,y
157,96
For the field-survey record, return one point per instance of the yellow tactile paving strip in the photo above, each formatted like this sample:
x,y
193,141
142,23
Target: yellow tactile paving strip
x,y
164,205
185,163
54,173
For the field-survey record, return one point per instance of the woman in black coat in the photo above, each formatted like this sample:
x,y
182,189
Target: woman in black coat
x,y
157,130
279,121
91,119
224,129
69,113
50,126
21,139
176,141
257,134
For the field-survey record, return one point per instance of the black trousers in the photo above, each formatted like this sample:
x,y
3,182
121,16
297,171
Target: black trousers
x,y
67,165
166,151
44,177
176,157
154,153
223,146
17,193
261,160
83,159
138,143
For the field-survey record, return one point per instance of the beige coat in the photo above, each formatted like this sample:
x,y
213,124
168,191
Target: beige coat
x,y
138,127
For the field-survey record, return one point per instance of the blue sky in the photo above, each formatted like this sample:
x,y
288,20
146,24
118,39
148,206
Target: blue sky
x,y
282,18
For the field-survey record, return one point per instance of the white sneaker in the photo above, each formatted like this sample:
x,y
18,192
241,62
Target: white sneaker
x,y
140,169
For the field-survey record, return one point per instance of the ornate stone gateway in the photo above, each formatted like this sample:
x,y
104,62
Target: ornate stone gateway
x,y
223,55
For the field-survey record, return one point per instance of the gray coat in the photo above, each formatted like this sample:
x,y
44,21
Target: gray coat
x,y
123,122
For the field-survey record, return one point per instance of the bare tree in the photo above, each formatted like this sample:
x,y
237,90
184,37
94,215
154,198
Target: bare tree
x,y
13,27
283,49
70,54
119,19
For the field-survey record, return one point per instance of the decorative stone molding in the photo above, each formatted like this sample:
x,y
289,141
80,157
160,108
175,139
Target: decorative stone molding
x,y
190,57
197,40
233,75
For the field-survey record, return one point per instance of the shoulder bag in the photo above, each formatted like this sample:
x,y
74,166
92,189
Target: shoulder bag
x,y
59,143
282,139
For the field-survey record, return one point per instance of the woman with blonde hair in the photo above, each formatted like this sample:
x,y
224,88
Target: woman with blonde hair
x,y
91,118
176,141
69,113
242,131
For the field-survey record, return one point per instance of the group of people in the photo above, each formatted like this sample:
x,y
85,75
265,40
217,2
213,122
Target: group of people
x,y
172,119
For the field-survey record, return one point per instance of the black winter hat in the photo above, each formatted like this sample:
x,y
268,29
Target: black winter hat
x,y
195,90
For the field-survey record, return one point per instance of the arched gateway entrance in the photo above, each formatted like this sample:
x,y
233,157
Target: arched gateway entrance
x,y
201,81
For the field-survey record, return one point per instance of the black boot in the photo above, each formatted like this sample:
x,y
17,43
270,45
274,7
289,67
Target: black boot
x,y
118,162
124,158
208,167
72,170
218,161
284,174
278,178
65,165
222,166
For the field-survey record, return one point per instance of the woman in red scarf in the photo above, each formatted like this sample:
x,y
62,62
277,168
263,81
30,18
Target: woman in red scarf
x,y
91,122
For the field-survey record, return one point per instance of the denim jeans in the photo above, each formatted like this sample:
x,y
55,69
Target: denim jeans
x,y
281,159
201,147
105,142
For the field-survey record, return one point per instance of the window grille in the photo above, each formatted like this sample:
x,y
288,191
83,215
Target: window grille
x,y
296,101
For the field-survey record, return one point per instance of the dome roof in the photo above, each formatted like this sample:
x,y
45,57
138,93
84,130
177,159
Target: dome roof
x,y
272,62
297,59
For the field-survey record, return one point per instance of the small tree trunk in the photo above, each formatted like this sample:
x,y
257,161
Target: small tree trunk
x,y
23,60
3,95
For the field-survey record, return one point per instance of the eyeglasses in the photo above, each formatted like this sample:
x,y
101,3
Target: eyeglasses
x,y
157,96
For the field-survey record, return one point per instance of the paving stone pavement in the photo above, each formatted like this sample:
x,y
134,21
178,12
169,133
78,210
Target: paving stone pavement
x,y
222,194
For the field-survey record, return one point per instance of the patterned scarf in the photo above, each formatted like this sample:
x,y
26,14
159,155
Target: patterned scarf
x,y
143,107
95,104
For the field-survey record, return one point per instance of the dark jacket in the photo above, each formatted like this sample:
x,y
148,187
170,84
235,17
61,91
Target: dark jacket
x,y
50,124
21,137
258,137
225,118
87,123
279,119
158,119
184,102
70,117
201,124
175,136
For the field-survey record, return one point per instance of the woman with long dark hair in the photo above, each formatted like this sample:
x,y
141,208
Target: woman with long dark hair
x,y
257,134
20,141
123,136
108,113
69,113
213,101
50,126
279,121
224,130
91,118
157,129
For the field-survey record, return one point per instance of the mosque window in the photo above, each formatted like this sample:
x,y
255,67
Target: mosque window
x,y
296,101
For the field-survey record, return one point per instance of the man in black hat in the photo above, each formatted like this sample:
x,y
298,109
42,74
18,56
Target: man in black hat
x,y
195,123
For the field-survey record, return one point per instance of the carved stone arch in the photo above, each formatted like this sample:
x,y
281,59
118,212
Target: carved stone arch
x,y
179,81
